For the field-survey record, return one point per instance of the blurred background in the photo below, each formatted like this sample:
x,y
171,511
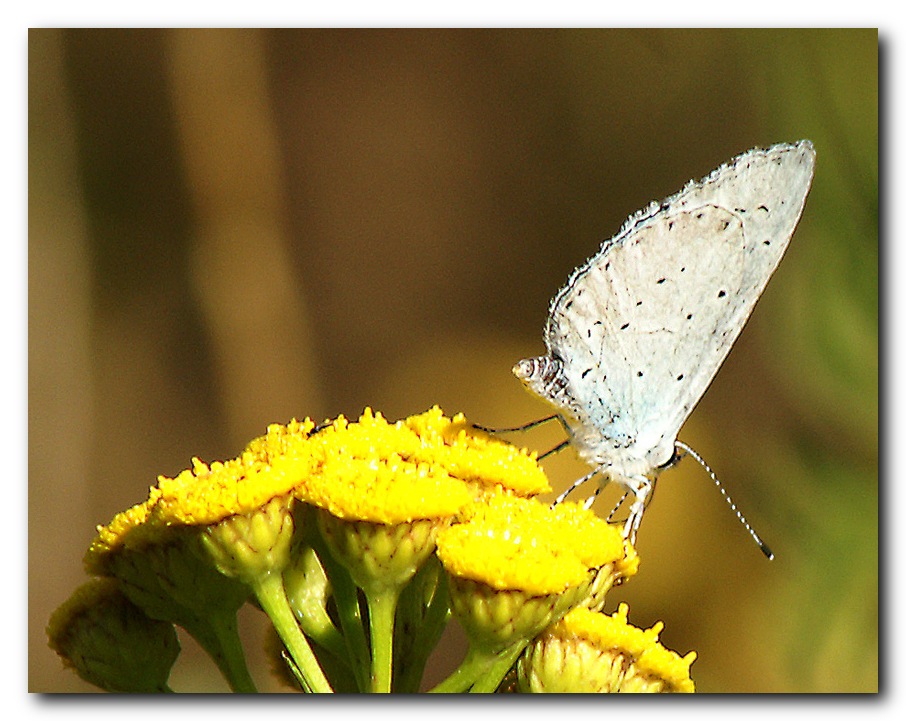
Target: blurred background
x,y
231,228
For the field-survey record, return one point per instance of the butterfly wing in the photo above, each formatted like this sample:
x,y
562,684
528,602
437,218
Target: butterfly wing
x,y
640,330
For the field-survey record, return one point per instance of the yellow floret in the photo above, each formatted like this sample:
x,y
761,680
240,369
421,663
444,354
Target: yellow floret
x,y
473,456
642,647
205,494
517,543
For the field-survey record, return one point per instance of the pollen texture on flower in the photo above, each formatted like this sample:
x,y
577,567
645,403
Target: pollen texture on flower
x,y
589,651
518,543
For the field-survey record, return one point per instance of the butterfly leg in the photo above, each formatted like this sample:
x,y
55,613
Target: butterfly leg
x,y
574,486
513,429
641,488
619,504
589,502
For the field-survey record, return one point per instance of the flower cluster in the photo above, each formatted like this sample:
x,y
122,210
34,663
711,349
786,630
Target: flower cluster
x,y
360,540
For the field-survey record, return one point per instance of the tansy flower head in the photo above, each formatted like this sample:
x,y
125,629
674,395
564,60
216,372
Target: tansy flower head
x,y
474,456
243,505
280,440
382,497
518,543
206,494
516,565
379,472
589,652
416,468
128,528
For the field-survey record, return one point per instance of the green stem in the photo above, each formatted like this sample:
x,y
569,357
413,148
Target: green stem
x,y
489,682
346,596
318,626
381,613
472,667
427,632
272,597
480,671
231,658
218,635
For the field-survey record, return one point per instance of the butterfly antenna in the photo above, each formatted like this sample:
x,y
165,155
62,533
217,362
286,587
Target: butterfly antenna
x,y
769,554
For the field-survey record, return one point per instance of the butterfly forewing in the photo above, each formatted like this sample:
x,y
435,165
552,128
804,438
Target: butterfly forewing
x,y
642,328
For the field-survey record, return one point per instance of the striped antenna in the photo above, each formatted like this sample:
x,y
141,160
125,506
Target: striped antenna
x,y
769,554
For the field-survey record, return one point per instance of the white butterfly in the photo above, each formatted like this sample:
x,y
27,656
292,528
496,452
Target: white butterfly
x,y
638,332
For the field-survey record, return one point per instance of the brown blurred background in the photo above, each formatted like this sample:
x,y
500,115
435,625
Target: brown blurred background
x,y
230,228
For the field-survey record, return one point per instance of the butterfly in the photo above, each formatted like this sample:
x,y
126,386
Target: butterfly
x,y
638,332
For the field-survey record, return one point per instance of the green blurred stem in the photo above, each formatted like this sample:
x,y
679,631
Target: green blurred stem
x,y
228,653
473,665
381,613
427,634
345,595
480,671
218,634
272,597
503,662
317,625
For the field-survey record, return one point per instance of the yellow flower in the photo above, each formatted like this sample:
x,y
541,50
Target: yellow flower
x,y
589,652
426,466
383,493
177,553
385,489
372,499
474,456
205,495
518,543
516,565
127,527
280,440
